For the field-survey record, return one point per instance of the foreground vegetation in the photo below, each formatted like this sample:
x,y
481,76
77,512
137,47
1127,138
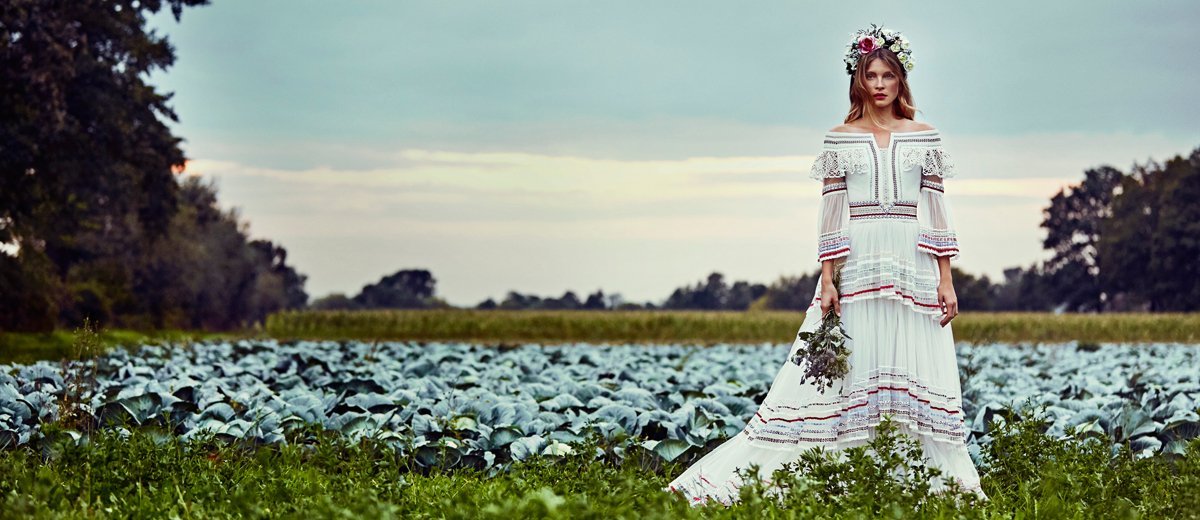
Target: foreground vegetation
x,y
701,327
320,475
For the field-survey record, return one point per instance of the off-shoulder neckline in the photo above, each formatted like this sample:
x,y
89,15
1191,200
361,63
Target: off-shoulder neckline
x,y
892,133
875,140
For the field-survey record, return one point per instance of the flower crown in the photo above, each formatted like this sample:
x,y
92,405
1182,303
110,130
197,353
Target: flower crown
x,y
867,40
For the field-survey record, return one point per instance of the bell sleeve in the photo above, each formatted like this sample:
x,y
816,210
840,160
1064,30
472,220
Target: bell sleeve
x,y
933,214
833,220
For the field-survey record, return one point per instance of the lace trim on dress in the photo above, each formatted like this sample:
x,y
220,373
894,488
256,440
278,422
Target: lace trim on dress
x,y
830,188
699,490
933,161
839,163
886,276
901,210
927,410
938,242
832,245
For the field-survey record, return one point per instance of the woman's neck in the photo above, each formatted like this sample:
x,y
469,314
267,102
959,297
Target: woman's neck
x,y
886,118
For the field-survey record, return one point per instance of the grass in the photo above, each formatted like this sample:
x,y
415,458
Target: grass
x,y
616,327
700,327
25,348
318,475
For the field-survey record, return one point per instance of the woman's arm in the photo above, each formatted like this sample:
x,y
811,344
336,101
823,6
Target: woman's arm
x,y
945,290
829,293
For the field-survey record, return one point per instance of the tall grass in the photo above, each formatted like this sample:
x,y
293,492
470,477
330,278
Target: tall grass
x,y
26,347
701,327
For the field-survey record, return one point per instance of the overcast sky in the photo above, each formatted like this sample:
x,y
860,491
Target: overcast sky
x,y
638,146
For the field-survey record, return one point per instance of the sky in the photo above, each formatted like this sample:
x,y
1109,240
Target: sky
x,y
637,146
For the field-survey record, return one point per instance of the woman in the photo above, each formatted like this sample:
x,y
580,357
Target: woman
x,y
883,218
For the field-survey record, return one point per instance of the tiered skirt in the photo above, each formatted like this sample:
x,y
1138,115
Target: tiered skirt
x,y
902,365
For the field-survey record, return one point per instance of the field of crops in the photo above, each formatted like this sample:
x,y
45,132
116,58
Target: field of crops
x,y
702,327
458,414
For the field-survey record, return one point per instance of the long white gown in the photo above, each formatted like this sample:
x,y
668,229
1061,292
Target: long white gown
x,y
888,221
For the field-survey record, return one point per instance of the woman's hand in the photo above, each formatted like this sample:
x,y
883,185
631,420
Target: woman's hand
x,y
946,297
829,296
948,300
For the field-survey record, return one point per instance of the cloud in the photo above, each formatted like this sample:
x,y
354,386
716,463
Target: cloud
x,y
641,221
551,181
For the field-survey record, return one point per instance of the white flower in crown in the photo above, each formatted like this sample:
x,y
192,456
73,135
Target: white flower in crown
x,y
903,57
895,47
908,65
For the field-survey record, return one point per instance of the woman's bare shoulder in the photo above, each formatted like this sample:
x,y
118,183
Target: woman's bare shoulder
x,y
913,126
845,129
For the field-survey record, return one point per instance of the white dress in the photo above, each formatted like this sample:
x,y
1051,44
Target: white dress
x,y
888,221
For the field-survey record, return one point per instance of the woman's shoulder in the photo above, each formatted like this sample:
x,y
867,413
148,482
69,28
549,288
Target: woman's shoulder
x,y
846,129
906,125
914,126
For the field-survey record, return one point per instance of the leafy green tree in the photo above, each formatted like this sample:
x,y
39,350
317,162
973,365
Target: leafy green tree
x,y
1026,289
406,289
203,273
596,301
29,292
743,294
1073,224
713,294
789,293
82,139
974,294
567,302
1150,247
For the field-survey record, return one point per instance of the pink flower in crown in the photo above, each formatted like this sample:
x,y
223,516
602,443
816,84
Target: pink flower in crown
x,y
867,44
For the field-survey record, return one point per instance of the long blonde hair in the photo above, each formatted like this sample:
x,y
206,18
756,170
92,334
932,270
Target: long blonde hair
x,y
860,94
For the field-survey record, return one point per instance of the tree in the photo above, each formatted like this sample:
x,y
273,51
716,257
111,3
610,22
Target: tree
x,y
81,135
1150,247
596,301
714,294
974,294
1073,227
789,293
406,289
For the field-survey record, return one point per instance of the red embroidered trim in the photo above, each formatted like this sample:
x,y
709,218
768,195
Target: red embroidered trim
x,y
902,295
831,254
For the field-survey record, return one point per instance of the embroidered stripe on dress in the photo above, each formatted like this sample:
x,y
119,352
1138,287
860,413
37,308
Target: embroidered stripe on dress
x,y
937,242
830,188
871,210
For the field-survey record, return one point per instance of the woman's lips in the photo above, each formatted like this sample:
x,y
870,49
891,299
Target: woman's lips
x,y
880,96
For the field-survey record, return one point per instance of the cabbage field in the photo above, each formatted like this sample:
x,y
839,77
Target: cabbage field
x,y
451,405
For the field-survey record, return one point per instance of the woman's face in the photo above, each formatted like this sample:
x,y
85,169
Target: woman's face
x,y
882,84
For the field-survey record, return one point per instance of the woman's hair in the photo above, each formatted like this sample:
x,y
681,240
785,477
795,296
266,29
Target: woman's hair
x,y
860,95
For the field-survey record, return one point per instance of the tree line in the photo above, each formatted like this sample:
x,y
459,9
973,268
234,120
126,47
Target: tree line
x,y
95,219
